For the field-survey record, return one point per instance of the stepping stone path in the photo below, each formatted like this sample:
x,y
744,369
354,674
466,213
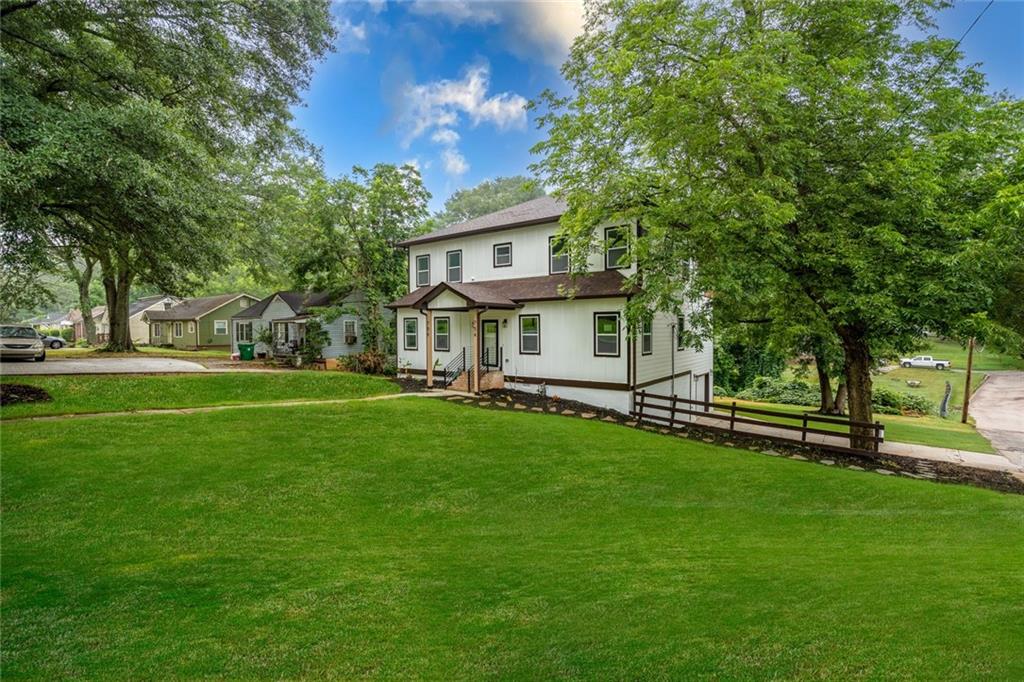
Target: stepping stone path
x,y
536,409
772,453
884,472
855,467
568,412
519,406
799,457
828,462
454,397
708,440
587,415
630,423
552,409
609,418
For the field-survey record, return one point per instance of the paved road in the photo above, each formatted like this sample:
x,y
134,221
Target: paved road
x,y
998,411
101,366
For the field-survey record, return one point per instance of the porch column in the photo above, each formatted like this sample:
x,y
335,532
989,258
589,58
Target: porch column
x,y
430,348
476,351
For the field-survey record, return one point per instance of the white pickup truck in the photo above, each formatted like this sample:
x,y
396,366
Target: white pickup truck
x,y
925,361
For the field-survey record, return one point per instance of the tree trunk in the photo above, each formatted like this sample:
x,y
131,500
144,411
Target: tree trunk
x,y
83,280
824,385
857,369
840,401
117,282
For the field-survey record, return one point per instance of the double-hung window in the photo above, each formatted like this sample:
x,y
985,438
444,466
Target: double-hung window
x,y
606,334
177,330
647,337
410,327
243,330
158,329
529,334
680,333
616,253
453,259
220,326
558,257
503,255
192,327
423,270
348,328
442,334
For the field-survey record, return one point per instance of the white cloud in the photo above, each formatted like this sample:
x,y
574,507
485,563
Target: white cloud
x,y
454,162
351,37
437,104
377,6
531,27
445,136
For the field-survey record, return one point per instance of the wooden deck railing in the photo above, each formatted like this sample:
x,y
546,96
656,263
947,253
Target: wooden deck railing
x,y
674,412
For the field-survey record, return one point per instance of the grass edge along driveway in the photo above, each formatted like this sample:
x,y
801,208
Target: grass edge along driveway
x,y
82,394
404,539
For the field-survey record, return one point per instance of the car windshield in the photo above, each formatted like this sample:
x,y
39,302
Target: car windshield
x,y
18,333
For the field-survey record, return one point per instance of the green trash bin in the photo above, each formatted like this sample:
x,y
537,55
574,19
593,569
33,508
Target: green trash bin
x,y
247,351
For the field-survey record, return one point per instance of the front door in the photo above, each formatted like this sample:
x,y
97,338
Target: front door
x,y
489,350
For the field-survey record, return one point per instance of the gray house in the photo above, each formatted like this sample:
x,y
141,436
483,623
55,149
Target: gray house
x,y
286,313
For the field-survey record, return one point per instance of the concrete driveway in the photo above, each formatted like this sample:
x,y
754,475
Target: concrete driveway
x,y
101,366
998,411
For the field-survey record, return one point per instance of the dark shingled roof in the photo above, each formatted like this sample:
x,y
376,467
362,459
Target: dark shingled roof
x,y
192,308
512,293
533,212
298,301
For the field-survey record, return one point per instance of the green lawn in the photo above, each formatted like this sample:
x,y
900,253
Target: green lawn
x,y
946,433
983,359
424,539
72,352
110,393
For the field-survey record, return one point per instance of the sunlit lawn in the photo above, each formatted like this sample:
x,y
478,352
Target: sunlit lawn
x,y
417,538
984,359
73,352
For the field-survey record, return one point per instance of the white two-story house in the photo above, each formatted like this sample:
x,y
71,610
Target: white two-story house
x,y
491,303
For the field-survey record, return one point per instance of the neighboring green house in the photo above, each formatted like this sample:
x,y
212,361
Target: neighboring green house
x,y
197,322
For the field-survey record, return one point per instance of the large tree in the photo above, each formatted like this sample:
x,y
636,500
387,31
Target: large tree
x,y
125,125
350,242
822,150
487,197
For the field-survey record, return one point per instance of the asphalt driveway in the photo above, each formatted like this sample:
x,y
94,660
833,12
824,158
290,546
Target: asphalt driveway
x,y
101,366
998,411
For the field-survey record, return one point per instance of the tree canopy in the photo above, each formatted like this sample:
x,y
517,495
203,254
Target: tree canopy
x,y
819,151
487,197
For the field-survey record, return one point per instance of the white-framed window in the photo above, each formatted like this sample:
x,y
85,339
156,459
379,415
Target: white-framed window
x,y
177,330
281,332
503,255
243,303
529,334
243,332
410,329
158,329
680,333
453,259
558,258
647,337
191,327
220,326
348,330
616,255
606,334
423,270
442,334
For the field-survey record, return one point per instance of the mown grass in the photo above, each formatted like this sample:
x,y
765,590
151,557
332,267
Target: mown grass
x,y
933,385
930,430
114,393
98,352
417,538
984,359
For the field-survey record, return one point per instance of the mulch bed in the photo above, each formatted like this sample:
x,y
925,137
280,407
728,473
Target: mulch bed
x,y
409,385
14,394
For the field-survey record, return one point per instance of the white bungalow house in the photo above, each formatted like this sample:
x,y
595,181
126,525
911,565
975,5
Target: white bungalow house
x,y
286,313
137,322
488,306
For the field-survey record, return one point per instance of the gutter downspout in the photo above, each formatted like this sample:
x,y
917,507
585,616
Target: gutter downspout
x,y
672,350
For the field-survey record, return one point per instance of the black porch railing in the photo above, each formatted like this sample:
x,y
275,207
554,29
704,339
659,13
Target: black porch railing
x,y
453,369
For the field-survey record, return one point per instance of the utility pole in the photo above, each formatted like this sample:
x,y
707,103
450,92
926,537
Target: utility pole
x,y
967,385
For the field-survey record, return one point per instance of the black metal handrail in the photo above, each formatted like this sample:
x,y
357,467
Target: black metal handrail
x,y
453,369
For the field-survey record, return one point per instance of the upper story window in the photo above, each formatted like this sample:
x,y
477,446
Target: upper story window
x,y
680,333
647,337
243,303
454,262
558,257
616,253
503,255
422,270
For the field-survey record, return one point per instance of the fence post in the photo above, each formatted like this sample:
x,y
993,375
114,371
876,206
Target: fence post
x,y
732,417
803,433
880,434
672,413
640,411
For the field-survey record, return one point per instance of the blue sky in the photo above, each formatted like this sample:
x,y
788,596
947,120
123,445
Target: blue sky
x,y
442,84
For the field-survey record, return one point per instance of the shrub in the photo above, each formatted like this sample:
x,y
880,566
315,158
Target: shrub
x,y
369,362
316,339
773,390
887,401
82,343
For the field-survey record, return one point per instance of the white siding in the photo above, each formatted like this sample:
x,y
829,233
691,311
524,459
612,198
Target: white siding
x,y
138,328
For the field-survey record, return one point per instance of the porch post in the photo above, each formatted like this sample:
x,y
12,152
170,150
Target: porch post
x,y
476,351
430,348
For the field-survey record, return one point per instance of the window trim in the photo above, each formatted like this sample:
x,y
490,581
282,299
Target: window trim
x,y
647,336
618,334
607,251
178,330
494,255
551,255
344,328
447,335
529,352
416,270
448,267
191,326
680,326
158,329
405,333
226,328
243,338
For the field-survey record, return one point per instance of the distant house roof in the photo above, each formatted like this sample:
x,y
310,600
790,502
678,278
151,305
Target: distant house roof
x,y
298,301
193,308
49,319
512,293
534,212
141,304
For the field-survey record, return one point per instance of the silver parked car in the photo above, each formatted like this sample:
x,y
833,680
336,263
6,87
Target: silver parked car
x,y
21,341
53,342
